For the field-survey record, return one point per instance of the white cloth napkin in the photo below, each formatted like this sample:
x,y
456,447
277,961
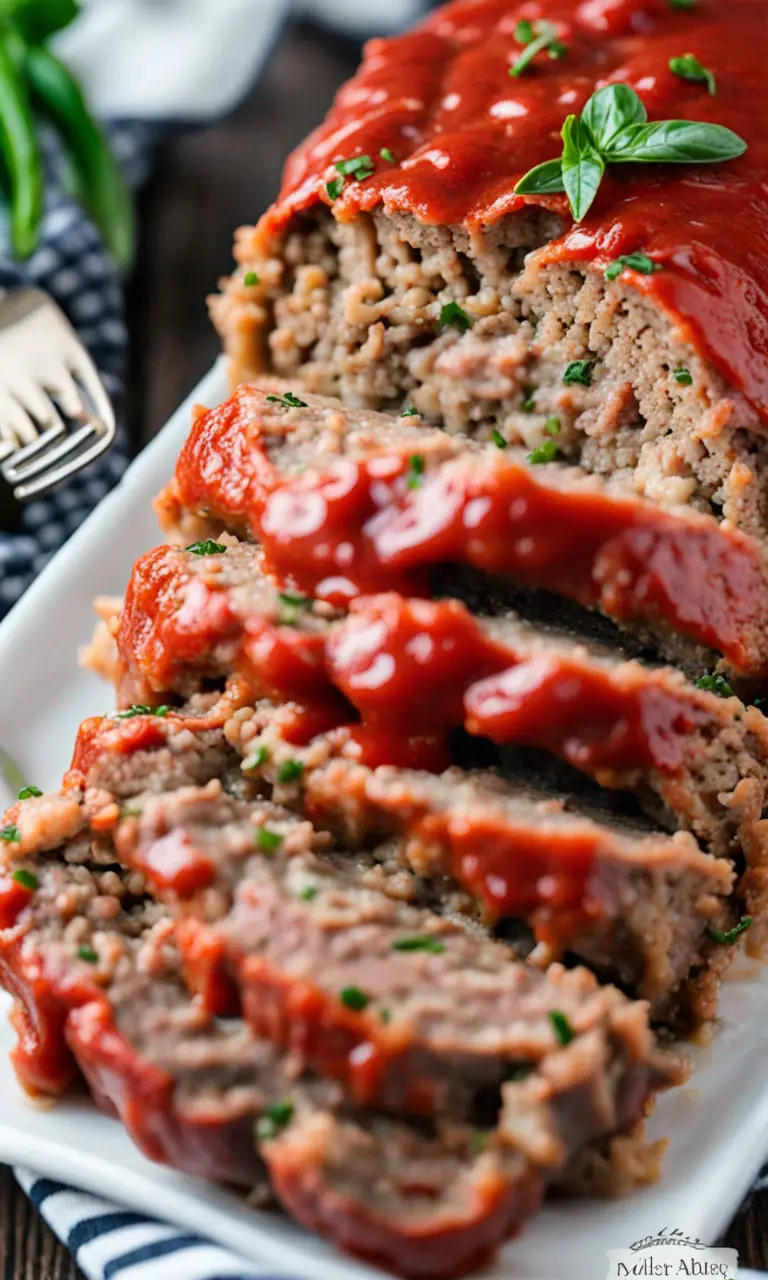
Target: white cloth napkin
x,y
194,59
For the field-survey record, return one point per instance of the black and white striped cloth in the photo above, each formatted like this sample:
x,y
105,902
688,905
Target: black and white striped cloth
x,y
107,1241
110,1243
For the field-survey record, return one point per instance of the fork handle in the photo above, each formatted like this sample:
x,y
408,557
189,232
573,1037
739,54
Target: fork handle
x,y
10,509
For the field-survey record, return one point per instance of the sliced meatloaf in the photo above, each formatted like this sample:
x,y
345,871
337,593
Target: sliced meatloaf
x,y
94,970
419,669
637,905
400,268
410,1011
342,503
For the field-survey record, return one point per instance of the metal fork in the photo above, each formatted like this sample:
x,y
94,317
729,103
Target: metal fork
x,y
55,415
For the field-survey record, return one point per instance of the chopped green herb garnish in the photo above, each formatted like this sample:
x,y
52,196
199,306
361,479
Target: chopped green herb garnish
x,y
552,427
290,771
479,1142
291,607
557,49
268,840
682,4
274,1119
27,793
140,709
354,998
419,942
683,377
359,167
409,412
88,954
498,439
715,684
635,261
288,401
130,811
579,372
207,548
546,452
688,67
386,154
255,761
11,835
727,936
529,403
524,31
309,893
563,1029
26,878
415,472
542,36
385,1015
453,314
335,187
251,278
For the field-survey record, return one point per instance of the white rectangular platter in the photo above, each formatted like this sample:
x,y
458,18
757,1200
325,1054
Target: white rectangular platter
x,y
717,1128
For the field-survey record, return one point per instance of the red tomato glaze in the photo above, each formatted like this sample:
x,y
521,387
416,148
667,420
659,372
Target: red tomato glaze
x,y
366,524
463,132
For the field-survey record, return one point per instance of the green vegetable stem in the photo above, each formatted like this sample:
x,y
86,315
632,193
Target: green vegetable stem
x,y
100,184
21,154
32,77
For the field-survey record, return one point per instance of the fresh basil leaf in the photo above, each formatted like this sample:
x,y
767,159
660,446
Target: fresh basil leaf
x,y
583,167
545,180
610,110
675,142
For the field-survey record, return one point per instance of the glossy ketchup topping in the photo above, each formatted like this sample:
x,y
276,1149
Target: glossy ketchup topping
x,y
412,670
462,132
406,664
380,523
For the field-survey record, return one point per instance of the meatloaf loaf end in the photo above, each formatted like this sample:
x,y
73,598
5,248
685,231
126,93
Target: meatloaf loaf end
x,y
419,278
696,760
348,502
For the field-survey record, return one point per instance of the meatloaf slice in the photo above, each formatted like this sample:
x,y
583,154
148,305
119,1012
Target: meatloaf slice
x,y
396,502
412,1012
414,278
94,971
636,905
414,668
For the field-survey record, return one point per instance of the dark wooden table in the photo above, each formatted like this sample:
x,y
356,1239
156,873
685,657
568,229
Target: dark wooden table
x,y
206,184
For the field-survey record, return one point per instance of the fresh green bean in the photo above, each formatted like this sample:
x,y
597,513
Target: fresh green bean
x,y
22,155
100,180
36,20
